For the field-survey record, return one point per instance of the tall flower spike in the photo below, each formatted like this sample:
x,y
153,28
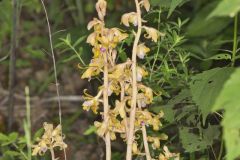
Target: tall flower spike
x,y
101,7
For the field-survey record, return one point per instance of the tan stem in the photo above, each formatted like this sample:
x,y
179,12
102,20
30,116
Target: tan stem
x,y
52,153
146,147
106,107
122,98
134,84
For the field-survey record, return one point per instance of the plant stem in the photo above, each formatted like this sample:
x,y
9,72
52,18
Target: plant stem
x,y
12,66
28,124
158,49
221,150
106,106
52,153
146,147
55,71
134,84
122,99
235,40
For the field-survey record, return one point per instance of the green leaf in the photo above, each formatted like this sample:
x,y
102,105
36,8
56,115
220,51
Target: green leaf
x,y
226,8
206,86
201,26
192,142
229,99
173,6
221,56
3,137
13,136
90,130
12,153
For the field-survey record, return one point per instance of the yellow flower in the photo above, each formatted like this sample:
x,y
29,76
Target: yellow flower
x,y
118,72
141,73
92,39
111,37
156,140
51,138
135,148
114,87
152,33
101,128
147,92
91,102
129,18
120,109
142,118
101,7
113,126
146,4
94,23
168,155
95,67
142,50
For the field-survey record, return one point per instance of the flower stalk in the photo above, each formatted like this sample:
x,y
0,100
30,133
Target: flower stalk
x,y
106,108
134,83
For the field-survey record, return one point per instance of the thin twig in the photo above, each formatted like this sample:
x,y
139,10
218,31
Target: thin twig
x,y
41,100
12,66
134,84
55,70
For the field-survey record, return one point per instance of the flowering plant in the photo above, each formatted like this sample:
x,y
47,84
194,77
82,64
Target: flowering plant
x,y
129,114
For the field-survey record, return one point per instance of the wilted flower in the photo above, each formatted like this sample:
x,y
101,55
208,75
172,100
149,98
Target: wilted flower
x,y
168,155
129,18
51,138
135,148
156,140
92,39
142,50
95,67
141,73
91,102
146,4
152,33
101,7
93,23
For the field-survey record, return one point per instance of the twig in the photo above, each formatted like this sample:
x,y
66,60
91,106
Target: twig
x,y
12,66
134,84
67,98
55,70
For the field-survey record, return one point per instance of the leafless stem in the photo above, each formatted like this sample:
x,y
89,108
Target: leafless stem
x,y
12,66
55,69
134,84
146,147
106,108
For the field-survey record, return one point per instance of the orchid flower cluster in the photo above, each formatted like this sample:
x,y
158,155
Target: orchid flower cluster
x,y
119,81
51,139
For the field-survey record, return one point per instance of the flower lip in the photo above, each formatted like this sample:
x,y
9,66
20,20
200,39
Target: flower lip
x,y
102,49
